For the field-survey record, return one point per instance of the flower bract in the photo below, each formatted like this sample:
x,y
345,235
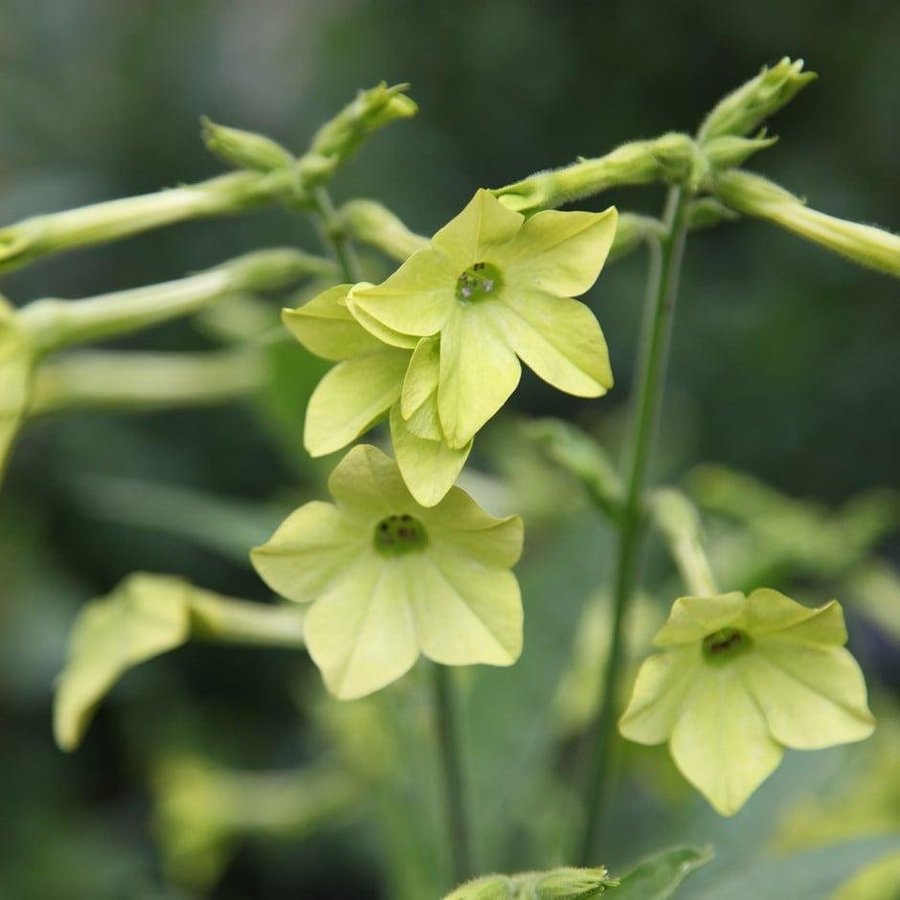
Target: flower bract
x,y
494,288
389,578
738,680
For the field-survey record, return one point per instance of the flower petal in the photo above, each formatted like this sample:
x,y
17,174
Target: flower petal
x,y
560,339
465,529
466,613
812,696
769,612
326,327
351,398
428,467
362,634
561,253
368,482
692,618
657,699
417,298
479,371
309,551
484,224
721,742
422,376
381,332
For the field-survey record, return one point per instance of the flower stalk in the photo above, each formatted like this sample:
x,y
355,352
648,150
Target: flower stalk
x,y
651,368
447,732
52,323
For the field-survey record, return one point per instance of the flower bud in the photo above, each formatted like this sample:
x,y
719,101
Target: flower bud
x,y
244,149
671,157
371,110
729,150
490,887
571,884
374,224
754,195
744,110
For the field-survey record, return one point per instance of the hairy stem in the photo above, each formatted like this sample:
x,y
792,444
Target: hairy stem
x,y
648,391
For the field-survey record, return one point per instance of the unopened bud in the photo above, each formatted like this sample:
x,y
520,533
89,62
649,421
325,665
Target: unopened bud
x,y
744,110
572,884
371,110
754,195
370,222
490,887
671,157
729,150
244,149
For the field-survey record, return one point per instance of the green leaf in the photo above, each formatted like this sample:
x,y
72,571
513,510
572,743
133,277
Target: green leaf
x,y
812,873
659,877
15,380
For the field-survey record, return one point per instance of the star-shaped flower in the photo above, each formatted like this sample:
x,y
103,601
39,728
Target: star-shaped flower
x,y
366,384
741,678
494,288
389,578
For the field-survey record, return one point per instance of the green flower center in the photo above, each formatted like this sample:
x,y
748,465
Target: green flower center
x,y
480,281
401,534
725,644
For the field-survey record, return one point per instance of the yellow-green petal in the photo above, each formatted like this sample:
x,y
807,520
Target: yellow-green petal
x,y
770,612
351,398
466,530
473,235
417,298
428,467
558,338
381,332
812,697
466,613
368,483
693,618
326,327
311,550
362,633
145,616
422,376
560,253
479,371
721,742
659,693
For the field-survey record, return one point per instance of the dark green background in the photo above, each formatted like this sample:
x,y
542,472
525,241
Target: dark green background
x,y
784,359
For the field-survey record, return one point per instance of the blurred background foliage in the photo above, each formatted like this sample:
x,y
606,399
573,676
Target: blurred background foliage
x,y
784,366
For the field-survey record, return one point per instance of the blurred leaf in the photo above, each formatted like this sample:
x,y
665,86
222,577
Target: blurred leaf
x,y
229,527
812,873
660,876
507,710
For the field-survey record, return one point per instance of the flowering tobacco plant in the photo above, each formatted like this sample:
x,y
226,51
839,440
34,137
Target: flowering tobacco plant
x,y
406,564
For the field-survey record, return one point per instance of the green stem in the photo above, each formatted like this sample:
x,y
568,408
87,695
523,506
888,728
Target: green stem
x,y
334,234
651,368
451,764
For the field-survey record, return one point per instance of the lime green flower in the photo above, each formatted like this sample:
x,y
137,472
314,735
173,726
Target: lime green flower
x,y
496,288
741,678
389,578
371,375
